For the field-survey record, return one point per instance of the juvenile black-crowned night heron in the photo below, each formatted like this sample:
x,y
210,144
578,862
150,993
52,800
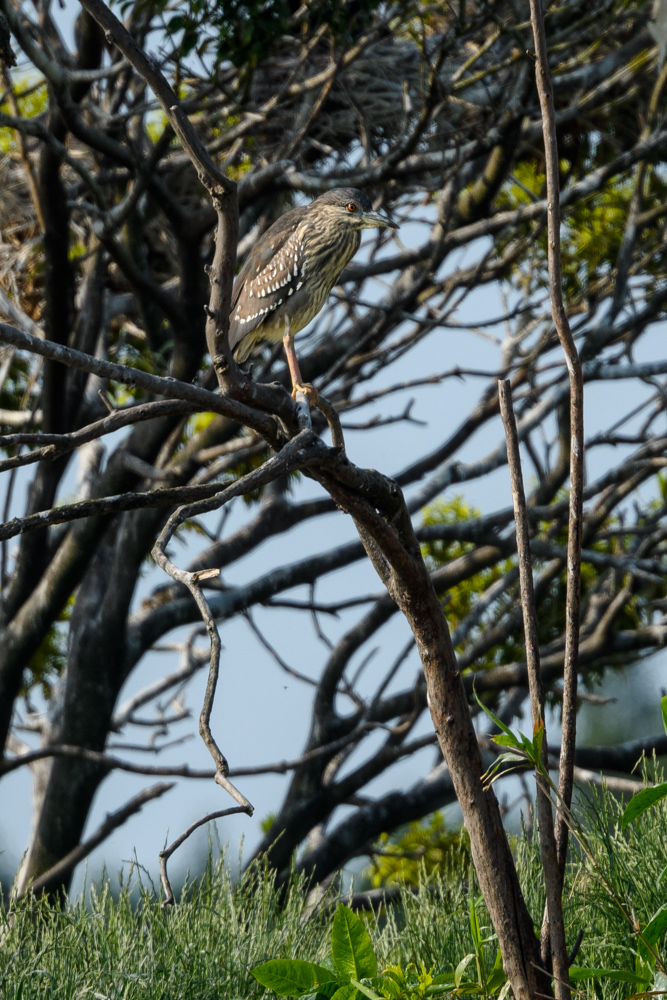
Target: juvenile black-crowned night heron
x,y
290,271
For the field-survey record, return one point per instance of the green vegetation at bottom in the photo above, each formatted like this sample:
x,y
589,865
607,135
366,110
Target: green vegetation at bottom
x,y
206,946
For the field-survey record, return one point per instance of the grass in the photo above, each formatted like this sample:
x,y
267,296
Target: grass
x,y
205,947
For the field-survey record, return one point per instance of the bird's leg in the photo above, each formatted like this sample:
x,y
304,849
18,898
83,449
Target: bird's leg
x,y
297,385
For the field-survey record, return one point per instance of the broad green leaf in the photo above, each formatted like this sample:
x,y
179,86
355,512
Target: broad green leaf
x,y
389,985
291,977
644,966
327,990
663,707
497,975
351,946
444,979
642,801
579,973
346,992
656,926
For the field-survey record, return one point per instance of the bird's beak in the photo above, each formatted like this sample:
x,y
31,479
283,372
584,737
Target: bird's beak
x,y
373,220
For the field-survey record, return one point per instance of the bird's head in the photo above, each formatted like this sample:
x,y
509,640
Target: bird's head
x,y
352,209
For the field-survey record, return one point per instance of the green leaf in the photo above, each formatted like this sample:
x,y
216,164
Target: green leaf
x,y
663,707
366,990
461,968
497,975
351,946
527,744
652,935
346,992
494,718
389,986
291,977
578,973
444,979
642,801
327,990
475,932
656,926
512,760
506,741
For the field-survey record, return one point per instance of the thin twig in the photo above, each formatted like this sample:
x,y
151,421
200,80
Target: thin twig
x,y
193,660
575,522
545,818
299,453
168,851
50,446
333,420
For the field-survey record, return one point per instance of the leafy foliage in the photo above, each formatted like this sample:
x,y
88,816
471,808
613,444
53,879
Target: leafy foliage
x,y
352,958
32,100
461,598
351,973
420,852
243,31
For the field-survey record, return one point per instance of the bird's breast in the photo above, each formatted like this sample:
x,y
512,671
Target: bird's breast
x,y
292,286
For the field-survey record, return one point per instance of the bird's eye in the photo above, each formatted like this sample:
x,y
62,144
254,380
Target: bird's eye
x,y
351,207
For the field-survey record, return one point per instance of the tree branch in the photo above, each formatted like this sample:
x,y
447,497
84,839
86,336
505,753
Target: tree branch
x,y
545,818
577,447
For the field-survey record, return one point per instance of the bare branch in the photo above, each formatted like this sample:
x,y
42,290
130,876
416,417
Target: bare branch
x,y
575,524
53,445
169,387
548,848
168,851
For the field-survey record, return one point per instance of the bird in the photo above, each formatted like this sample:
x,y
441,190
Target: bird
x,y
291,270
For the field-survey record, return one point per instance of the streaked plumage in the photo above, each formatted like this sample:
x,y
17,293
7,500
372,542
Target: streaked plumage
x,y
291,270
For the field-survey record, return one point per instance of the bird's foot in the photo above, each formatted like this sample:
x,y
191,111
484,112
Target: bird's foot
x,y
308,390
